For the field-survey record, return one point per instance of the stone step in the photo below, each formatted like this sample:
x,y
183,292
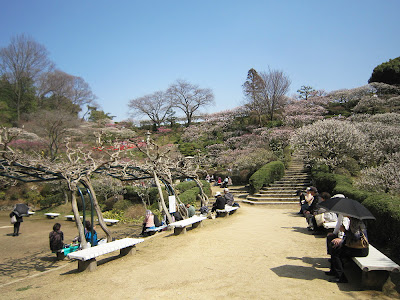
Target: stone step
x,y
282,188
276,193
269,203
293,181
277,199
295,186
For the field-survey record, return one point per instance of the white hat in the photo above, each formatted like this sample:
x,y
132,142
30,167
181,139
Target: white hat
x,y
338,196
217,194
226,190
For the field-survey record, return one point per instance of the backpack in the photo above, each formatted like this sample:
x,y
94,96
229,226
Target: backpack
x,y
204,210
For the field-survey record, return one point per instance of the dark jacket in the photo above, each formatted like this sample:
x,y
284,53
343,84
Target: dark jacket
x,y
56,239
219,203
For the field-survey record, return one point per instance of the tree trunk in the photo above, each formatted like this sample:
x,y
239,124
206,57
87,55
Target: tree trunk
x,y
162,197
65,196
78,221
103,225
204,198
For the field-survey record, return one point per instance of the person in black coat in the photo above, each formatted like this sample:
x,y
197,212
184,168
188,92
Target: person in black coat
x,y
219,202
16,224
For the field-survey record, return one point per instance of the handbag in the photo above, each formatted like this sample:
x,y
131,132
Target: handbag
x,y
13,219
360,243
319,219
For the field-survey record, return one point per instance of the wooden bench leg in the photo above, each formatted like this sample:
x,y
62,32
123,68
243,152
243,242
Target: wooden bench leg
x,y
127,251
179,230
87,265
197,224
374,279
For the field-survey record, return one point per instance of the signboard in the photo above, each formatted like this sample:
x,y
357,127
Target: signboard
x,y
172,204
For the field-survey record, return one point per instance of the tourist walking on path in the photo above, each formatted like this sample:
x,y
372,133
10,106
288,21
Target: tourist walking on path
x,y
16,219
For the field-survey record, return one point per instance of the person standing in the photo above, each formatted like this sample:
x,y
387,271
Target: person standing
x,y
17,223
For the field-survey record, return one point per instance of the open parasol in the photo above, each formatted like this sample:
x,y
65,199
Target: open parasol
x,y
347,207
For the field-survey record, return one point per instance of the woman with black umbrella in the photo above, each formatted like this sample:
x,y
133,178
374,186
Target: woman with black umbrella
x,y
354,244
16,219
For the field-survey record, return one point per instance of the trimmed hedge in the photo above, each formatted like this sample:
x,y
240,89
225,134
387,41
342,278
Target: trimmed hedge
x,y
266,174
385,230
189,190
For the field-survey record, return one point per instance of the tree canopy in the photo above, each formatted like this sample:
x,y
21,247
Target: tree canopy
x,y
387,72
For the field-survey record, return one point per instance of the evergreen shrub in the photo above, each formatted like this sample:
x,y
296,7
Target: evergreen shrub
x,y
265,175
385,230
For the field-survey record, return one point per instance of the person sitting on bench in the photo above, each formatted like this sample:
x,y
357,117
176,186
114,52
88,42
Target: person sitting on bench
x,y
88,234
354,244
219,202
56,238
148,222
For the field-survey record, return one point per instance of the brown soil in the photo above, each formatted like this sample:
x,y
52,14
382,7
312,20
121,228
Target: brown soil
x,y
257,253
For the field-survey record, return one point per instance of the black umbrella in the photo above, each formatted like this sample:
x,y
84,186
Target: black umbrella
x,y
347,207
21,209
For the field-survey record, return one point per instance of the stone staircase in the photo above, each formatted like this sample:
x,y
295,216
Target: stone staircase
x,y
284,191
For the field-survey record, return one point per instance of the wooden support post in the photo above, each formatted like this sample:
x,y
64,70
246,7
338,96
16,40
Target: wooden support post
x,y
197,224
87,265
374,279
179,230
127,251
222,214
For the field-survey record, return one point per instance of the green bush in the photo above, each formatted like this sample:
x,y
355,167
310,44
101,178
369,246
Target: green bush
x,y
53,200
325,182
385,230
122,205
2,195
265,175
189,196
185,185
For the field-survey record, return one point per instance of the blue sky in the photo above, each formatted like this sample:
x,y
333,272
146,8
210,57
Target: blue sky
x,y
126,49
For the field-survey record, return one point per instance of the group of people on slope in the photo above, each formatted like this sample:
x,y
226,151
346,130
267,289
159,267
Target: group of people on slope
x,y
222,201
348,239
218,181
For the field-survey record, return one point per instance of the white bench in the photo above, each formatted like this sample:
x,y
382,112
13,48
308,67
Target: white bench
x,y
51,215
228,210
87,257
71,217
180,226
110,221
376,268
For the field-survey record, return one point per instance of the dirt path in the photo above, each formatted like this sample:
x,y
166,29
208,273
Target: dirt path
x,y
257,253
